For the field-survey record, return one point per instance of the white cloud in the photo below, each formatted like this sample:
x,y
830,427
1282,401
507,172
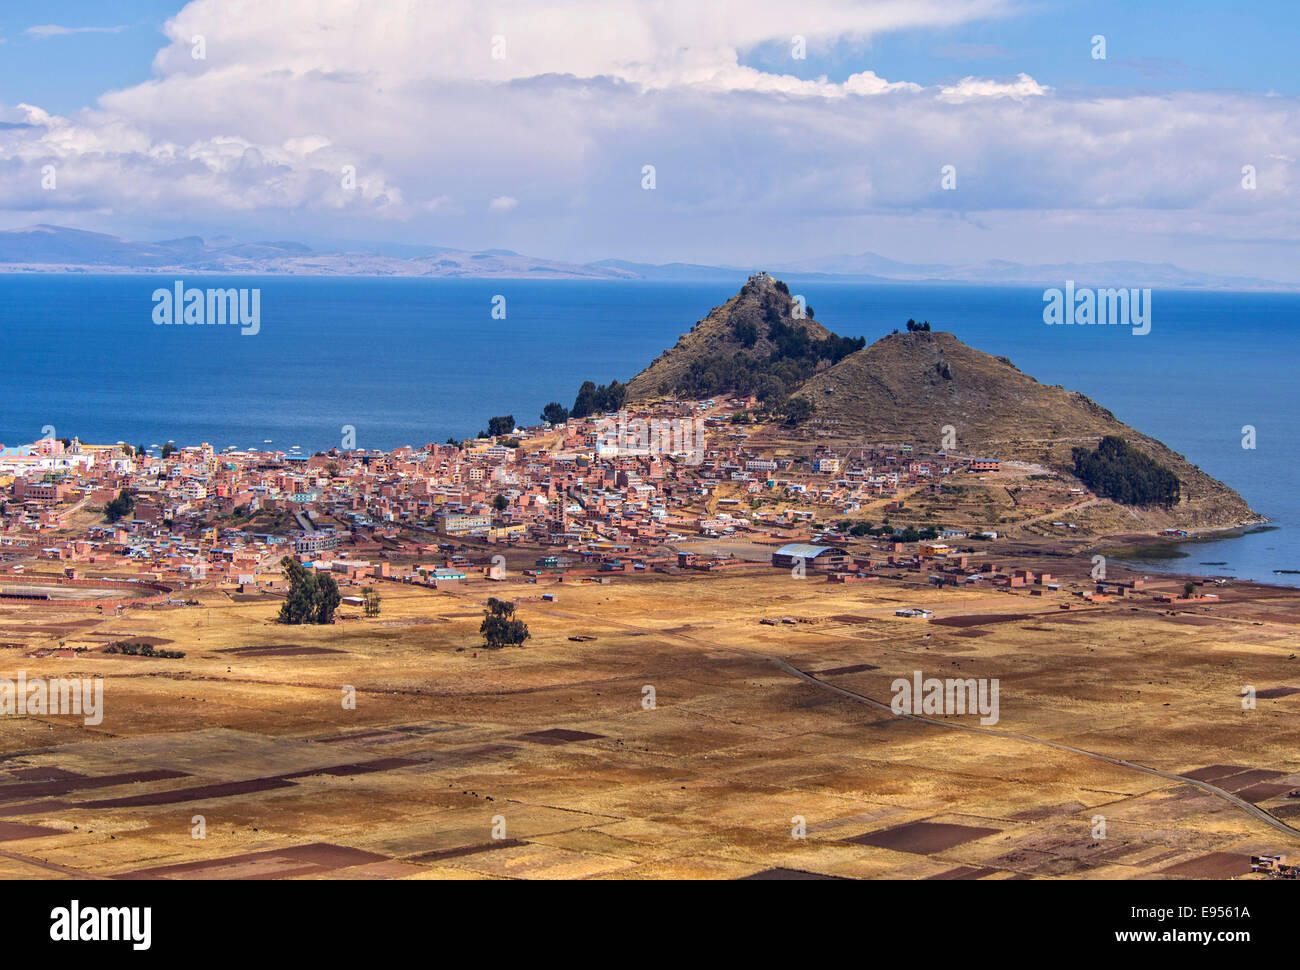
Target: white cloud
x,y
1023,86
589,91
54,30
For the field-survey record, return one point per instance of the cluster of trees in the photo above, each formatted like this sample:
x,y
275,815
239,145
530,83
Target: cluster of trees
x,y
912,534
555,413
501,424
795,409
499,627
598,400
914,327
907,534
371,601
796,354
120,507
313,597
770,380
1117,471
143,650
795,342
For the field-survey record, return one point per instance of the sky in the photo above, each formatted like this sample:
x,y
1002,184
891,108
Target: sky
x,y
777,131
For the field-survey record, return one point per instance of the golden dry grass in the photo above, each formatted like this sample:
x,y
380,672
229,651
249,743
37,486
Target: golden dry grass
x,y
708,784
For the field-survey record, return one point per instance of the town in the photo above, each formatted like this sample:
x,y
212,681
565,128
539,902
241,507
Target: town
x,y
598,498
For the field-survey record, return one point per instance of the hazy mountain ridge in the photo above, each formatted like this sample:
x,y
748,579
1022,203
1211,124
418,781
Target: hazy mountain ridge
x,y
55,249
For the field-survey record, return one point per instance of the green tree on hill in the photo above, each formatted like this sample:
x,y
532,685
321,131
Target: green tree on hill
x,y
120,507
598,400
797,409
555,413
746,331
1117,471
501,424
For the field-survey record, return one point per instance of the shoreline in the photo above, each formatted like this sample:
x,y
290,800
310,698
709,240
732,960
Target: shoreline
x,y
1133,548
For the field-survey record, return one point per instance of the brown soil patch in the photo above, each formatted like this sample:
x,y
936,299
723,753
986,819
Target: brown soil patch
x,y
793,874
980,619
314,858
1216,865
1235,783
1261,793
359,768
558,736
287,650
37,789
195,794
33,808
1212,772
923,838
965,872
12,831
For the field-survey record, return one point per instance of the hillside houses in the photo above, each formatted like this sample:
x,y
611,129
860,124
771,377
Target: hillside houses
x,y
232,514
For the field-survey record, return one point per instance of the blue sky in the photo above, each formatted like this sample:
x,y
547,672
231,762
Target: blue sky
x,y
1059,156
1150,45
65,72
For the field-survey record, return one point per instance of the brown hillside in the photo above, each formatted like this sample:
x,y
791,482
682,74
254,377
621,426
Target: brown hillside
x,y
906,387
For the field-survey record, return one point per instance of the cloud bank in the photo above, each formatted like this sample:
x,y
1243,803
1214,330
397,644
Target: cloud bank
x,y
531,124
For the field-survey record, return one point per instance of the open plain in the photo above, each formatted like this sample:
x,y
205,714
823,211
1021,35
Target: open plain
x,y
684,739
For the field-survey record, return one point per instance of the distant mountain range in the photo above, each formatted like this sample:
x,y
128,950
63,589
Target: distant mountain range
x,y
55,249
872,268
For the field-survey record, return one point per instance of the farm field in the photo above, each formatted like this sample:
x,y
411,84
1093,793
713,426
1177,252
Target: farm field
x,y
551,761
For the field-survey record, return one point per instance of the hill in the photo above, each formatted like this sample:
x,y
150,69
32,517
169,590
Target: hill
x,y
930,390
762,341
910,387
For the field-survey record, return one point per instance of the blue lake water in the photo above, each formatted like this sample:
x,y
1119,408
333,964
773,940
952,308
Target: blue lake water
x,y
411,361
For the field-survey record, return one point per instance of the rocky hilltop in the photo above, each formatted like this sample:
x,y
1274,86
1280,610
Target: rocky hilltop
x,y
761,341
